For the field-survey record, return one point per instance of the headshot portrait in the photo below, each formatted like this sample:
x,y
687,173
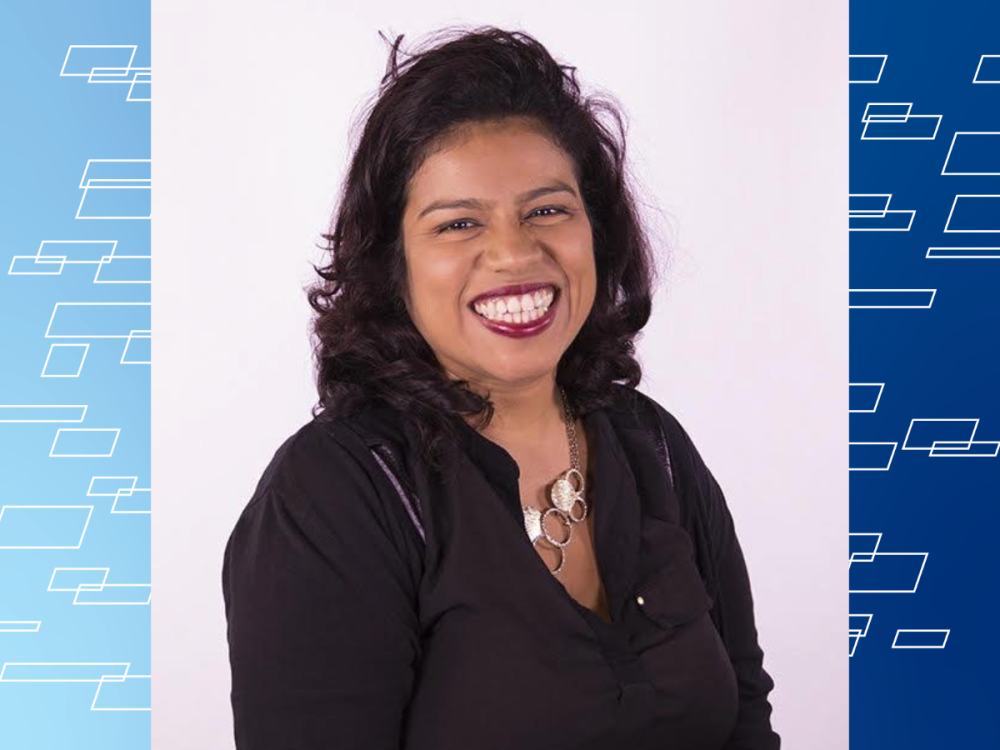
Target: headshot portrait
x,y
502,378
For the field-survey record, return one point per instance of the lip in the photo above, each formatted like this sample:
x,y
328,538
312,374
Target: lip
x,y
522,330
512,289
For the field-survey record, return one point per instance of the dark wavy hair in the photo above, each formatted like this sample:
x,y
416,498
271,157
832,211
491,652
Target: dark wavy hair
x,y
366,346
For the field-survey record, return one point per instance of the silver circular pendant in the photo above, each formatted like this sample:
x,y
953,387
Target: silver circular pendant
x,y
567,524
532,523
567,492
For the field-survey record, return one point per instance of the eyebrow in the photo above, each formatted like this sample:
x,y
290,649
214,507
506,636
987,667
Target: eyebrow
x,y
474,203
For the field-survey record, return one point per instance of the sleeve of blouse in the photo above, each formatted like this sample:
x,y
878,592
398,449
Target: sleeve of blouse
x,y
319,593
733,611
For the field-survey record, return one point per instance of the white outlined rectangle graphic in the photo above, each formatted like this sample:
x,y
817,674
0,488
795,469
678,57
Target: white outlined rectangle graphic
x,y
988,70
974,213
131,693
20,626
866,68
973,154
83,59
48,413
116,189
891,299
98,320
61,671
43,526
963,252
869,212
84,443
870,456
864,397
921,638
895,121
888,573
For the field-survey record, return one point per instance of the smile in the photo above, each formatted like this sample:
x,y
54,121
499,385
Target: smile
x,y
518,315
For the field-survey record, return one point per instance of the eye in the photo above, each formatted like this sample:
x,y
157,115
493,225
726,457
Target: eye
x,y
448,227
549,208
456,226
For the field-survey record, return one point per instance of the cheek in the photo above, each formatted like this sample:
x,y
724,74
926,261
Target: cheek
x,y
435,288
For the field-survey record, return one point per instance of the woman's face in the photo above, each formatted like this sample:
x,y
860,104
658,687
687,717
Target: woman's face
x,y
499,254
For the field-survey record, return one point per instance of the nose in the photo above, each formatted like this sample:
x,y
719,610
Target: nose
x,y
512,246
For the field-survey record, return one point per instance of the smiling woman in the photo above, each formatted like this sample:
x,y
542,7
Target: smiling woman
x,y
507,243
487,537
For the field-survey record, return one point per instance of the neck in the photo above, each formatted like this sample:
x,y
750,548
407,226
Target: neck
x,y
524,412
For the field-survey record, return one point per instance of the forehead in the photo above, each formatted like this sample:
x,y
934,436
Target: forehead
x,y
491,158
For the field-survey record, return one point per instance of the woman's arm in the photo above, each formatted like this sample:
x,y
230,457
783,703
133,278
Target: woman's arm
x,y
733,610
320,602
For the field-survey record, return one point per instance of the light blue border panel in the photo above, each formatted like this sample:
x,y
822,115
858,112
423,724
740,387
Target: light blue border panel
x,y
75,352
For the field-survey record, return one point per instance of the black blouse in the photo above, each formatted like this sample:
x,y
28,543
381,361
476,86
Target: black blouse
x,y
405,610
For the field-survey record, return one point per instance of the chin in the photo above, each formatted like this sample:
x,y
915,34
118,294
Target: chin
x,y
514,373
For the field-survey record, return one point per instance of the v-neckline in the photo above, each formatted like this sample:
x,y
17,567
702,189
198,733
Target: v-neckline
x,y
616,517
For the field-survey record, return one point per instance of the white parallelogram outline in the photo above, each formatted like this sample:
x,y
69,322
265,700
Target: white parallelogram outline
x,y
128,74
43,406
975,78
894,307
874,468
90,512
101,586
944,169
951,448
881,387
893,591
86,348
116,430
123,491
885,58
59,261
865,556
118,679
901,119
983,253
946,631
20,626
103,679
967,231
877,213
55,309
95,184
133,335
856,634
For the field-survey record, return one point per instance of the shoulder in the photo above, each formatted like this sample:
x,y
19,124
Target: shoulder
x,y
316,451
321,495
640,410
320,472
633,409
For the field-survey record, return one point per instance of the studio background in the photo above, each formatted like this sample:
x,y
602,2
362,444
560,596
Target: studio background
x,y
738,139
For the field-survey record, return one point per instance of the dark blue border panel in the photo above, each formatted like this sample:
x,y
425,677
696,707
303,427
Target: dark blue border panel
x,y
925,424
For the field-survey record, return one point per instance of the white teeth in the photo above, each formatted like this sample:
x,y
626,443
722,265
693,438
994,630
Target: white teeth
x,y
517,309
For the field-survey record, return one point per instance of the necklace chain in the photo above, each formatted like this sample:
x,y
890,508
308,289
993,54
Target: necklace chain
x,y
566,495
574,449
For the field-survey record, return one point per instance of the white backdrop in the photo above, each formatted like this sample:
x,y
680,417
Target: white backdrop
x,y
738,134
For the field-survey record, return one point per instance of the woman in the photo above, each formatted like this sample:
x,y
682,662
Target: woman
x,y
486,537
